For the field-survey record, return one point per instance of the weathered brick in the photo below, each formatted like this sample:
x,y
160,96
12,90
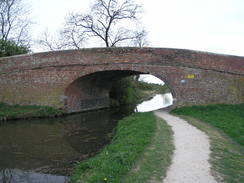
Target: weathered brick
x,y
73,79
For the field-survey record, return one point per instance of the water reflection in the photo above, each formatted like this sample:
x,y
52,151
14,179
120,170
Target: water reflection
x,y
157,102
39,150
18,176
52,146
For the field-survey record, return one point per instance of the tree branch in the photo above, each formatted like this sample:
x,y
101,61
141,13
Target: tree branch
x,y
103,21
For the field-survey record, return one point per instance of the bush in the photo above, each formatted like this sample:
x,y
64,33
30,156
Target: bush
x,y
125,92
9,48
129,91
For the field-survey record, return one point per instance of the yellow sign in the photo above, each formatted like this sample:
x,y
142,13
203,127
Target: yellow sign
x,y
190,76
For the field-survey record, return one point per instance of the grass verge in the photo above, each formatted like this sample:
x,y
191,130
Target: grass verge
x,y
153,163
220,123
18,111
228,118
133,135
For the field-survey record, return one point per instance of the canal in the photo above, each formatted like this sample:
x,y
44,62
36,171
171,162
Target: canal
x,y
45,150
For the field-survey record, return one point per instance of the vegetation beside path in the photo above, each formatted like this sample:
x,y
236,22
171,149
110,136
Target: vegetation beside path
x,y
132,155
224,124
156,158
226,117
129,91
23,112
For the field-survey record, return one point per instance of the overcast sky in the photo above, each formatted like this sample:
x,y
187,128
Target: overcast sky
x,y
205,25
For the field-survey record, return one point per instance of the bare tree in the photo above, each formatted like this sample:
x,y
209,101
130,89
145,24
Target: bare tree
x,y
103,22
14,22
49,43
67,38
140,39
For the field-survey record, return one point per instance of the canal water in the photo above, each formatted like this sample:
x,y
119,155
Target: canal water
x,y
157,102
45,150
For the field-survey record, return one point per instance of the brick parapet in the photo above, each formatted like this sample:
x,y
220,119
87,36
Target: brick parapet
x,y
141,56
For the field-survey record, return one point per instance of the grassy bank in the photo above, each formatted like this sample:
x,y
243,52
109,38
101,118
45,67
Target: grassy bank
x,y
18,111
224,124
156,158
134,135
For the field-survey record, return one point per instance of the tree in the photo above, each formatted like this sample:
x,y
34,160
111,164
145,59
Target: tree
x,y
140,39
104,22
9,48
14,22
50,43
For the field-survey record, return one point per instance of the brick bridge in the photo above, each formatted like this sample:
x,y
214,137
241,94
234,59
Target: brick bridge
x,y
78,80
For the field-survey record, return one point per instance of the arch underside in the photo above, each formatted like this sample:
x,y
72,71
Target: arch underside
x,y
92,91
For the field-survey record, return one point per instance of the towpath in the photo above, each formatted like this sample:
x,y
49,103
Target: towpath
x,y
192,149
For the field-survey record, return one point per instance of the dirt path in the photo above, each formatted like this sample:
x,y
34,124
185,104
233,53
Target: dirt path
x,y
192,148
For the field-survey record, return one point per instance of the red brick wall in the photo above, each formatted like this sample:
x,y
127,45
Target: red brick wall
x,y
193,77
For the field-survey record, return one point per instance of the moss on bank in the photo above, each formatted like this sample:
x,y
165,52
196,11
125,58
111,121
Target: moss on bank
x,y
134,135
19,112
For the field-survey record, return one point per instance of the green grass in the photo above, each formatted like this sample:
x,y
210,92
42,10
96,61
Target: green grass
x,y
224,125
18,111
133,135
153,163
228,118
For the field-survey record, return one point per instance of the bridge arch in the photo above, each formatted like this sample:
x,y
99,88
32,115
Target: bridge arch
x,y
91,91
193,77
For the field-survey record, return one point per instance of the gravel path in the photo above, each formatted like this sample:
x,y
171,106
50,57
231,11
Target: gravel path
x,y
192,148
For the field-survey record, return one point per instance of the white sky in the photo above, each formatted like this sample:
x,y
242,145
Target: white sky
x,y
150,79
205,25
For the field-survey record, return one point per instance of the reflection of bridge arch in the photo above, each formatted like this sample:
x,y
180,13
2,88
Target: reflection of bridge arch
x,y
51,78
